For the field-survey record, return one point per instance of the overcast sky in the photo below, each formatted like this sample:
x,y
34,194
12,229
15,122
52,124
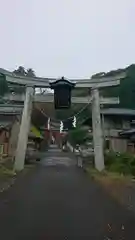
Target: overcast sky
x,y
71,38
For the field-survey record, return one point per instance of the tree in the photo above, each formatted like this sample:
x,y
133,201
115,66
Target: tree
x,y
30,73
20,71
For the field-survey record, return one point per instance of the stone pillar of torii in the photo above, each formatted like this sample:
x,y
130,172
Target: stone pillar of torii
x,y
24,130
97,131
93,84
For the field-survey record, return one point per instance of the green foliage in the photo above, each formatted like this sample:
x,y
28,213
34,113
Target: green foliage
x,y
77,136
3,84
6,172
126,88
30,73
21,71
123,163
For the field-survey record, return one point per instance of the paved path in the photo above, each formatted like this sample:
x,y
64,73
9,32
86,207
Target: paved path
x,y
58,201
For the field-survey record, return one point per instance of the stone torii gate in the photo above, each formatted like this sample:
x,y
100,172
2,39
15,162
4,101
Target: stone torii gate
x,y
93,84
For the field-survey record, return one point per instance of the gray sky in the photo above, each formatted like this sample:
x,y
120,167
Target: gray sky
x,y
71,38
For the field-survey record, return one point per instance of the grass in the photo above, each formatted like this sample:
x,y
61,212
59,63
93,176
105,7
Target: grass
x,y
105,173
113,183
118,179
117,166
6,172
122,163
8,175
7,169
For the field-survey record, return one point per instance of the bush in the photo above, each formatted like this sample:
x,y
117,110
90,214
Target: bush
x,y
123,163
77,136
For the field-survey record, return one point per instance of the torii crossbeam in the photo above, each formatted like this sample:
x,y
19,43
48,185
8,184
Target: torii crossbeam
x,y
92,84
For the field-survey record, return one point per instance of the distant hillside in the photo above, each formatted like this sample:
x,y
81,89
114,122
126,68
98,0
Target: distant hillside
x,y
126,89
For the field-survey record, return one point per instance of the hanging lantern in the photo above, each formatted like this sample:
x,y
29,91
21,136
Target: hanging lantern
x,y
62,93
